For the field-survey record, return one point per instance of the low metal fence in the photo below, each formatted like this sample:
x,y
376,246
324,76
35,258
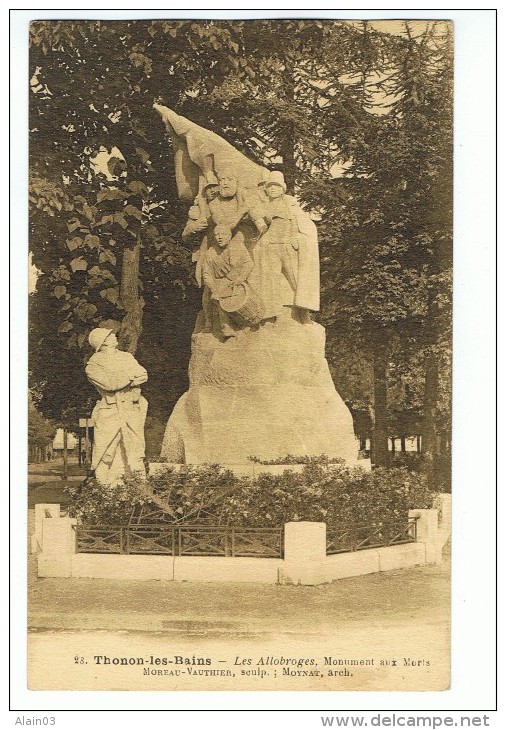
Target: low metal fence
x,y
181,540
352,537
234,542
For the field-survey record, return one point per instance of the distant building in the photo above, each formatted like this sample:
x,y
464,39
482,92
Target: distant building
x,y
58,442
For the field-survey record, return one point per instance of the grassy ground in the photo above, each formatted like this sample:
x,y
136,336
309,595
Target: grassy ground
x,y
46,481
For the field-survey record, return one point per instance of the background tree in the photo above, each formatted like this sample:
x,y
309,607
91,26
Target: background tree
x,y
391,231
101,193
41,433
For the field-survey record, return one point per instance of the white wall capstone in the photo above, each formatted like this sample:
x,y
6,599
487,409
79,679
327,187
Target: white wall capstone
x,y
434,527
305,541
58,536
443,503
58,546
305,560
41,512
427,524
305,553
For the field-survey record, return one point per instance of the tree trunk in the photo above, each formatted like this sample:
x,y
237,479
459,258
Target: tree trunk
x,y
287,145
379,436
131,326
403,444
65,453
287,150
431,385
429,440
87,459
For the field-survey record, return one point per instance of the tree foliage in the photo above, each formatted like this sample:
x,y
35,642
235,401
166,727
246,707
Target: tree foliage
x,y
41,431
387,279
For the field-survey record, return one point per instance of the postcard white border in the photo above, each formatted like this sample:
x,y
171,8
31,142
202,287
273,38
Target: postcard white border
x,y
473,655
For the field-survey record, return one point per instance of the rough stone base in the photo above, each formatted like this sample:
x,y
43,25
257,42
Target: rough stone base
x,y
266,393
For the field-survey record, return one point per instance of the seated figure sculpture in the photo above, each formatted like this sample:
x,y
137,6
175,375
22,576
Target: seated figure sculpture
x,y
244,214
120,414
226,265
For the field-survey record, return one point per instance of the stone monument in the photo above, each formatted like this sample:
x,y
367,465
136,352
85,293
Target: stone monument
x,y
260,385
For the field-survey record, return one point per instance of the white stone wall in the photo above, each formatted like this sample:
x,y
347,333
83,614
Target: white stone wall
x,y
305,560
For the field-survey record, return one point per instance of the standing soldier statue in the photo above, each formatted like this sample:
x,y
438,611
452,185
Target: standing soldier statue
x,y
119,416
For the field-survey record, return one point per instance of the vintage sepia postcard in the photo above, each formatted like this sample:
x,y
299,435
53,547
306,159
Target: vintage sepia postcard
x,y
240,360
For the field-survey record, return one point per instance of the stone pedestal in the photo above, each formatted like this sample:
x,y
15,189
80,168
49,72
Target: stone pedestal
x,y
266,393
305,554
42,511
58,545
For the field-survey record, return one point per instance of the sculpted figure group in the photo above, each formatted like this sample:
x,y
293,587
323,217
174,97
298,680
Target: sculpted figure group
x,y
256,254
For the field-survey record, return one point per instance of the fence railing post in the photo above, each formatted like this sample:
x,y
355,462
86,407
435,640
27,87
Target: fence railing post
x,y
41,512
58,547
305,553
427,532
